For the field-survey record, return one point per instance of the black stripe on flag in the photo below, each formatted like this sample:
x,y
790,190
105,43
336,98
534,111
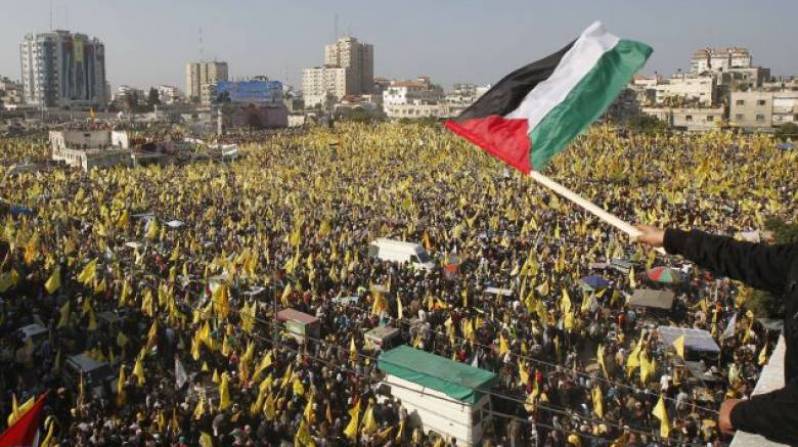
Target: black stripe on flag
x,y
507,94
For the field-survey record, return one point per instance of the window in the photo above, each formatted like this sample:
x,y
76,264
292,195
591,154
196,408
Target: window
x,y
795,118
740,102
760,117
761,102
738,117
710,117
688,118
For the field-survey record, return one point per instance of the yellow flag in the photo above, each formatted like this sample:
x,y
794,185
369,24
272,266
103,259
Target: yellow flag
x,y
352,350
565,302
351,428
54,282
600,359
661,413
504,346
152,229
64,312
678,344
598,402
86,276
17,412
763,355
121,396
302,437
632,281
224,392
205,440
138,371
369,422
399,308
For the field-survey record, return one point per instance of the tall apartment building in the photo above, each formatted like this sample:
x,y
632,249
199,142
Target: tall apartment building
x,y
61,69
358,60
199,75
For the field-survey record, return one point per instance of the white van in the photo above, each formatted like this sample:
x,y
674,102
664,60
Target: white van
x,y
400,251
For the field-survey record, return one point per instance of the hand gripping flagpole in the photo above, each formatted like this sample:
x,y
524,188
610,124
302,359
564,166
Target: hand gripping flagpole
x,y
602,214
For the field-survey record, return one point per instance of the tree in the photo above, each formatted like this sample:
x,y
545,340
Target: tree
x,y
152,98
787,131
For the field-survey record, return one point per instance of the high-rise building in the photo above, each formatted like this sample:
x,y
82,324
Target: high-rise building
x,y
358,60
199,75
63,69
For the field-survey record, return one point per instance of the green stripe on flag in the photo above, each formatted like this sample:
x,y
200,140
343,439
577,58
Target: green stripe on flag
x,y
587,101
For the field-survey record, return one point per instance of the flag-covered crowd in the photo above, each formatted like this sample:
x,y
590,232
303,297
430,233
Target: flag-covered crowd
x,y
169,277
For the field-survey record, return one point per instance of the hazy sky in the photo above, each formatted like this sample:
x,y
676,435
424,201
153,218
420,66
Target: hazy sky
x,y
148,42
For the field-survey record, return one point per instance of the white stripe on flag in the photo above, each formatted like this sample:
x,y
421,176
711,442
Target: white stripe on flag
x,y
574,65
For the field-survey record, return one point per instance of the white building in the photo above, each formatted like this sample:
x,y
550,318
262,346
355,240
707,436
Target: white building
x,y
321,83
718,60
200,74
461,96
169,94
61,69
763,109
88,149
686,89
413,99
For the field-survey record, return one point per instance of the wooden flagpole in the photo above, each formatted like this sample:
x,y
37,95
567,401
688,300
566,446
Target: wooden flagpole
x,y
602,214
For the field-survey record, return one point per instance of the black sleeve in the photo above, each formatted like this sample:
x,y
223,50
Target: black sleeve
x,y
773,415
759,265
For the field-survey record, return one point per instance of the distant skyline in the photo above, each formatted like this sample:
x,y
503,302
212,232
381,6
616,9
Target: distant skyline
x,y
149,42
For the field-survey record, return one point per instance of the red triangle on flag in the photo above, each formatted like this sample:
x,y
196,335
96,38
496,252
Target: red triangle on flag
x,y
23,432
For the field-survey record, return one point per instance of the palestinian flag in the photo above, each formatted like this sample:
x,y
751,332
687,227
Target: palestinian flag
x,y
532,114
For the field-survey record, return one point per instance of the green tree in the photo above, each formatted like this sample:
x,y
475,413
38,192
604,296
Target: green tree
x,y
152,98
787,131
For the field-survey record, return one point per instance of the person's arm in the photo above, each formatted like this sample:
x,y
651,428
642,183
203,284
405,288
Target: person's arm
x,y
758,265
773,415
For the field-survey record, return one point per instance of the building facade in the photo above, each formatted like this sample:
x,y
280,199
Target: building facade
x,y
358,60
686,89
321,83
89,149
61,69
169,94
413,99
718,60
199,75
763,109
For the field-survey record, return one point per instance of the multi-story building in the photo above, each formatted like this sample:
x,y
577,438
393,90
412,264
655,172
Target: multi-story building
x,y
763,109
169,94
201,74
413,99
461,96
690,119
358,60
320,84
751,110
686,90
128,96
61,69
717,60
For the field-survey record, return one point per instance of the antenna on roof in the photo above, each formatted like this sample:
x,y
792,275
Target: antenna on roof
x,y
335,27
51,15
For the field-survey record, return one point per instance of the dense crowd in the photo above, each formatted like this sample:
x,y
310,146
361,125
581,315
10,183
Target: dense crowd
x,y
172,275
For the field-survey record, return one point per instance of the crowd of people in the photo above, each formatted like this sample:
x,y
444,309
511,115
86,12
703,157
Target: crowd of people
x,y
170,276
